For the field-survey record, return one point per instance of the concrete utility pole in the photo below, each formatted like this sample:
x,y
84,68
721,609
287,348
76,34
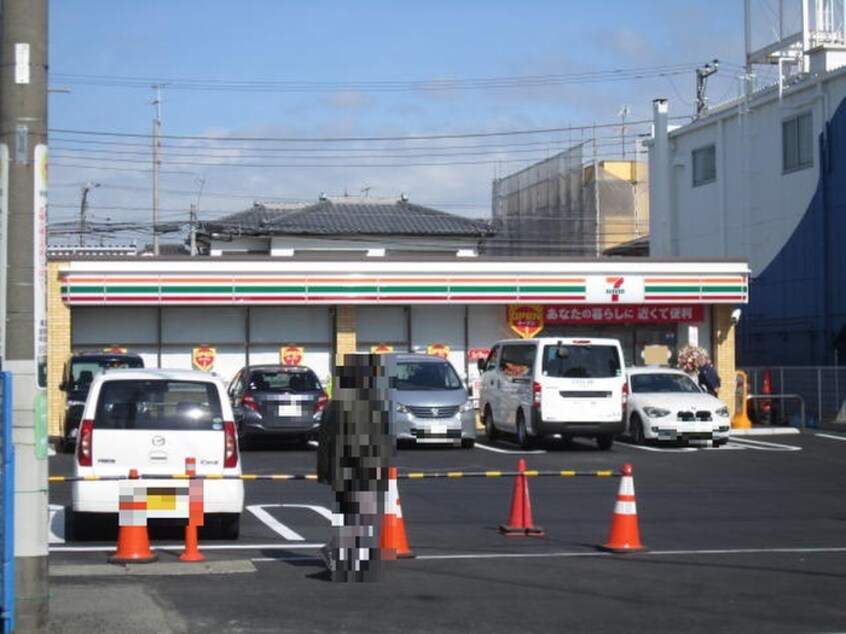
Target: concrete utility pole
x,y
192,228
157,161
23,131
702,74
83,207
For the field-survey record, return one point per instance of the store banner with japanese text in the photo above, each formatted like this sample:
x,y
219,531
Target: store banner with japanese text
x,y
623,314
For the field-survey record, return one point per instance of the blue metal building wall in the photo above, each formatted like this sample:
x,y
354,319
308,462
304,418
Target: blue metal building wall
x,y
7,507
797,305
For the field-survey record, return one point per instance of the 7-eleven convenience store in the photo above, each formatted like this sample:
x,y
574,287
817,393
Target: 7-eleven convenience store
x,y
220,314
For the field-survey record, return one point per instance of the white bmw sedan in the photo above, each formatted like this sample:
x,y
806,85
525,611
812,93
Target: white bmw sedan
x,y
667,405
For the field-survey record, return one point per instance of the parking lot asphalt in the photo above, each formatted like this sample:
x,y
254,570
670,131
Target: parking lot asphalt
x,y
744,538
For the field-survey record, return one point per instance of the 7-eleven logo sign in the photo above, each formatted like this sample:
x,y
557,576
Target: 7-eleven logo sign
x,y
615,287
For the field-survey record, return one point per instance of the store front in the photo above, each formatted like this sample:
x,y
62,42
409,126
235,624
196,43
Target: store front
x,y
220,314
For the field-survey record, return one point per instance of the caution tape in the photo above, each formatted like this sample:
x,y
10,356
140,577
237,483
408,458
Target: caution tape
x,y
283,477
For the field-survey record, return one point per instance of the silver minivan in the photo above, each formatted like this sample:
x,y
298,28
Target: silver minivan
x,y
551,385
429,401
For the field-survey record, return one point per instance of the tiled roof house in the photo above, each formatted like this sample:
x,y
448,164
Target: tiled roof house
x,y
374,225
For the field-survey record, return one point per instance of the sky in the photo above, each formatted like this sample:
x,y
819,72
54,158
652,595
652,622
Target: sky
x,y
282,100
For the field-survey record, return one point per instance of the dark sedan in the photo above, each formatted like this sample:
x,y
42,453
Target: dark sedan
x,y
277,401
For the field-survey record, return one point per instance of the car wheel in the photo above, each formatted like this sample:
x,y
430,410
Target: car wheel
x,y
636,430
523,439
68,442
69,534
82,527
229,526
244,441
720,443
468,443
490,429
604,441
566,441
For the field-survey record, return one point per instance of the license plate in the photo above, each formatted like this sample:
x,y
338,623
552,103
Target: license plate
x,y
291,409
437,429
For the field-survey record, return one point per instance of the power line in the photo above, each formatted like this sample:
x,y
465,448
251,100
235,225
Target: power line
x,y
418,137
441,84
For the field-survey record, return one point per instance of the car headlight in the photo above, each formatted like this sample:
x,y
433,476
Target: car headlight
x,y
402,409
722,412
656,412
467,407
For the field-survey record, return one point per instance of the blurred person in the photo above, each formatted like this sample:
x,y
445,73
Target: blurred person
x,y
354,453
709,380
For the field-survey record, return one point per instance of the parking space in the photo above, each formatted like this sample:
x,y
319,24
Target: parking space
x,y
729,533
297,514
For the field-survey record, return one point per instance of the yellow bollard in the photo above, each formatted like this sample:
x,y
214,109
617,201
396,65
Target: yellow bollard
x,y
740,420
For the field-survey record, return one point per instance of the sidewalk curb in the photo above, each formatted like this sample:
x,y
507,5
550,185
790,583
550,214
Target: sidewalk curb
x,y
152,569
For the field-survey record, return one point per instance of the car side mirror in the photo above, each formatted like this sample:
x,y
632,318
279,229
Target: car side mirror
x,y
482,364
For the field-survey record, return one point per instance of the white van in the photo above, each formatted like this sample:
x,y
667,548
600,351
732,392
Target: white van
x,y
539,387
152,420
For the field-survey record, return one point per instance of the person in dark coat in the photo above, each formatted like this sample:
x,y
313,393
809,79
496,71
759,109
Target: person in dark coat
x,y
709,380
355,451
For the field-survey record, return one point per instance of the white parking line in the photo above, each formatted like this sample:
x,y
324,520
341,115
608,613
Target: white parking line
x,y
661,449
314,546
320,510
509,451
831,436
272,523
646,553
728,446
181,547
762,445
56,524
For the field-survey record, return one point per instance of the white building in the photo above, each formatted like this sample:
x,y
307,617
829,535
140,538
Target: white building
x,y
764,178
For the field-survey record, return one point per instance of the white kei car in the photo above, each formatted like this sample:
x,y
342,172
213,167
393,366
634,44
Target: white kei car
x,y
152,420
667,405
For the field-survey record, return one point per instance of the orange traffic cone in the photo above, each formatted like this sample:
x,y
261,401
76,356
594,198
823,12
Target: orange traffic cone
x,y
133,546
624,536
195,517
133,541
392,540
192,550
520,524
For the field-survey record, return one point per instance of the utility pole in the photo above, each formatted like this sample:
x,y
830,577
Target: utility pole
x,y
624,112
23,133
702,74
157,146
192,228
83,207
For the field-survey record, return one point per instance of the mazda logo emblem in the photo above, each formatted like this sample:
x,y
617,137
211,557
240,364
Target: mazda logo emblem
x,y
158,441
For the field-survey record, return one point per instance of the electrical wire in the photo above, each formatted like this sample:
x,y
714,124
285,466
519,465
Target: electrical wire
x,y
311,86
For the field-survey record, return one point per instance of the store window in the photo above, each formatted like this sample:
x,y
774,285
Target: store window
x,y
797,142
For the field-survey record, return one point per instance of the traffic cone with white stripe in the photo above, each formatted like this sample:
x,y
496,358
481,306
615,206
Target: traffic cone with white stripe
x,y
520,522
624,536
392,541
133,545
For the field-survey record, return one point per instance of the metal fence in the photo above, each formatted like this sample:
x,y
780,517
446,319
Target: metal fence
x,y
7,508
823,389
